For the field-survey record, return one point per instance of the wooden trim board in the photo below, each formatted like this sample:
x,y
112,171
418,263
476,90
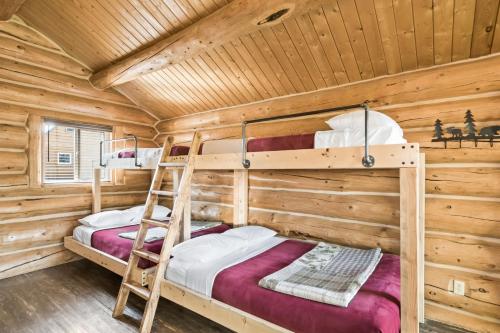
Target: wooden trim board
x,y
386,157
105,260
221,313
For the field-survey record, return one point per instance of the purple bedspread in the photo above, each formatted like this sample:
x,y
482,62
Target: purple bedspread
x,y
108,241
288,142
374,309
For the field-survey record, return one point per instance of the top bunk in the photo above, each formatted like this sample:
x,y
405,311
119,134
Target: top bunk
x,y
333,149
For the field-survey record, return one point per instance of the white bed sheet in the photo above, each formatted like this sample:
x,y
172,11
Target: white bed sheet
x,y
200,277
141,153
146,157
224,146
83,234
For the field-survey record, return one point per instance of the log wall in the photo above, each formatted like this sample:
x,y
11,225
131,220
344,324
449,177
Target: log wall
x,y
37,79
361,208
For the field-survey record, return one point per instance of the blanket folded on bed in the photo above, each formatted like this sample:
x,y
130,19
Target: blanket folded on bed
x,y
158,233
328,273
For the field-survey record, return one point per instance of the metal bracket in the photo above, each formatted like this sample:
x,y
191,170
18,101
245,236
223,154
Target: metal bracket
x,y
244,161
129,137
368,160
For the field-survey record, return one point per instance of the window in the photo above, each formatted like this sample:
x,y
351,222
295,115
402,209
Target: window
x,y
72,150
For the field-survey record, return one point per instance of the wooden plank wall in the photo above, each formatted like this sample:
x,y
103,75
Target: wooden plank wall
x,y
36,80
361,208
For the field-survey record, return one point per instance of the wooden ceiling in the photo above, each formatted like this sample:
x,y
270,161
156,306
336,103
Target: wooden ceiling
x,y
340,42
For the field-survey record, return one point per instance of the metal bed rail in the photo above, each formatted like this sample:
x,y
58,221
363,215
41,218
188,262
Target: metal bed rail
x,y
129,137
368,161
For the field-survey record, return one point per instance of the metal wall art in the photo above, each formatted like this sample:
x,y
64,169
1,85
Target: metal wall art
x,y
489,134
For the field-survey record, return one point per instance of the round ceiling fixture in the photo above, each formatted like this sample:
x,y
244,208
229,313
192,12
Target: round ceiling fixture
x,y
274,16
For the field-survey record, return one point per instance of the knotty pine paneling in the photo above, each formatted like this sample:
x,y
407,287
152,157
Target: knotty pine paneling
x,y
334,43
361,207
39,80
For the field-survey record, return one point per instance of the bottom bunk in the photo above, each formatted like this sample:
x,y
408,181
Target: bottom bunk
x,y
225,288
107,249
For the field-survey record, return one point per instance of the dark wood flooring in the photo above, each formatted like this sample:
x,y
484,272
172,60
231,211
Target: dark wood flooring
x,y
79,297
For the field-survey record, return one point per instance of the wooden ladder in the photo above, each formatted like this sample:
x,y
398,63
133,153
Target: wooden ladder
x,y
182,195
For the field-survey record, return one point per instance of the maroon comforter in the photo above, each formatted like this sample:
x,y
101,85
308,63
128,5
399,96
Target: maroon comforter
x,y
374,309
108,241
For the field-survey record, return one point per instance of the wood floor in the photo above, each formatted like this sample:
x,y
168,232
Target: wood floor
x,y
79,297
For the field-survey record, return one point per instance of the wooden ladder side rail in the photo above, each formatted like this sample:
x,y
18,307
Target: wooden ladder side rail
x,y
177,213
173,224
133,261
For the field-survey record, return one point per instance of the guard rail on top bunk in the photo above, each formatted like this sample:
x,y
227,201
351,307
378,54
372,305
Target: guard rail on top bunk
x,y
404,157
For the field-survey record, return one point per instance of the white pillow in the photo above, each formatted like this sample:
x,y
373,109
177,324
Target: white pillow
x,y
250,233
159,213
356,119
206,248
107,219
356,137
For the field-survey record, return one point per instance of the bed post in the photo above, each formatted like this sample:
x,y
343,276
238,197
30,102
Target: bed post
x,y
409,228
240,197
421,238
186,221
96,191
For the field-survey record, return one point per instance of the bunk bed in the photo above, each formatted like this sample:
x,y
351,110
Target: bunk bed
x,y
292,153
107,248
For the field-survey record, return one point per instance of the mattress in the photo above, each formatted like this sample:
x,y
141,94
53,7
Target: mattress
x,y
200,276
225,146
374,309
109,242
290,142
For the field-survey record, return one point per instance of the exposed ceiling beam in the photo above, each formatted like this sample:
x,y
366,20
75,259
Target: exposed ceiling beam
x,y
227,23
9,8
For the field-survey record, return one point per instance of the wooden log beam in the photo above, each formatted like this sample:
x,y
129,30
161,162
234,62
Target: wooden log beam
x,y
226,24
55,101
9,8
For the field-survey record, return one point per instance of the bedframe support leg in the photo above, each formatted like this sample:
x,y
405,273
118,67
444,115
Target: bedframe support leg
x,y
409,222
421,238
240,197
96,191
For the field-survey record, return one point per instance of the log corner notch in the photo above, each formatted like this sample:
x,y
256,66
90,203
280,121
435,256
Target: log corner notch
x,y
227,23
9,8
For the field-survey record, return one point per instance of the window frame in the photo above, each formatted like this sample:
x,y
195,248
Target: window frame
x,y
107,177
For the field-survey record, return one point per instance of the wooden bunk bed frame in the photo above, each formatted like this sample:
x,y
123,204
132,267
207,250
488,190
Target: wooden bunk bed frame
x,y
404,157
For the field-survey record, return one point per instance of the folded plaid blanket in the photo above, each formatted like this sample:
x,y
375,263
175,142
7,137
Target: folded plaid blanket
x,y
158,233
328,273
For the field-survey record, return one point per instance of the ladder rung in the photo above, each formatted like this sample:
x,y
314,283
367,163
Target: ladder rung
x,y
165,193
157,223
142,292
174,165
148,255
